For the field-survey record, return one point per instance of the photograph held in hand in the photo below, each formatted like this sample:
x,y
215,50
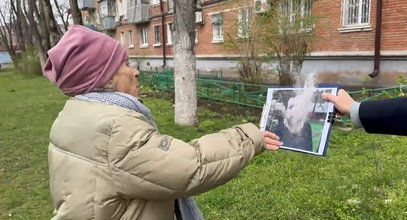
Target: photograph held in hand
x,y
300,117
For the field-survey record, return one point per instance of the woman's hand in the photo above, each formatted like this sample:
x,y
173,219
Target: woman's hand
x,y
343,101
271,140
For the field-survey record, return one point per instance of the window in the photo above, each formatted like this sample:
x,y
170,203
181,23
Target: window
x,y
131,39
356,12
243,30
107,8
157,36
169,34
154,2
170,6
143,38
196,35
296,13
261,5
121,10
122,38
217,28
131,4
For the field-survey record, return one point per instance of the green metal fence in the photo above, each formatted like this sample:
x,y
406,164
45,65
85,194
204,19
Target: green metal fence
x,y
245,94
222,90
371,94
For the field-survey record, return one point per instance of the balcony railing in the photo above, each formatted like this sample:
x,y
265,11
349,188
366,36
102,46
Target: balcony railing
x,y
108,23
138,14
86,4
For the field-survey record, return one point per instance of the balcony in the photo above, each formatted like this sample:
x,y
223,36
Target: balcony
x,y
107,13
86,4
108,23
139,14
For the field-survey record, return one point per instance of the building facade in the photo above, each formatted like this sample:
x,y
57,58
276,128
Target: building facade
x,y
355,38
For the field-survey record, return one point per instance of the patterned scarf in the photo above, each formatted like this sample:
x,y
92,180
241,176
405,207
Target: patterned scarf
x,y
186,207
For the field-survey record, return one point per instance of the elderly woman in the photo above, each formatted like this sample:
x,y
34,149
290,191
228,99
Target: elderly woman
x,y
107,160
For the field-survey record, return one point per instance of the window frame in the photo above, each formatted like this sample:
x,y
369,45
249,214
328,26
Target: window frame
x,y
143,37
170,6
244,14
154,2
290,9
346,9
217,27
347,26
130,39
157,35
122,39
169,33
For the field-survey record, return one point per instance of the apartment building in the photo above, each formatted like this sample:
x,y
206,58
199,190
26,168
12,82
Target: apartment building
x,y
355,37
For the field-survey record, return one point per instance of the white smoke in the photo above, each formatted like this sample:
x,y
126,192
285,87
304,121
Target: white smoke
x,y
298,107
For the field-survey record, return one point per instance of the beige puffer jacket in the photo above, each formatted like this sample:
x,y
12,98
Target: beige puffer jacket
x,y
108,162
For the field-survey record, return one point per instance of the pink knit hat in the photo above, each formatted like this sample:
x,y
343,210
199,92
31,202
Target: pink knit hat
x,y
83,60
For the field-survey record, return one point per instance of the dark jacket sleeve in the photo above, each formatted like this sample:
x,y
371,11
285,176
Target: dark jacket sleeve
x,y
384,116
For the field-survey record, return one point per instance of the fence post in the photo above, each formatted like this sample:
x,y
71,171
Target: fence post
x,y
207,89
167,83
238,94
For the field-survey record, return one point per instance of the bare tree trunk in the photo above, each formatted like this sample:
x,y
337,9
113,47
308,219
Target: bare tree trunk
x,y
34,30
18,24
184,60
53,28
61,15
76,13
40,13
25,30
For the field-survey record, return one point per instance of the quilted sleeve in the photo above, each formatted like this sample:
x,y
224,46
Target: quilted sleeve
x,y
147,165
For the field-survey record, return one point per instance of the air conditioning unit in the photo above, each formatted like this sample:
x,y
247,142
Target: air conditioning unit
x,y
198,17
260,6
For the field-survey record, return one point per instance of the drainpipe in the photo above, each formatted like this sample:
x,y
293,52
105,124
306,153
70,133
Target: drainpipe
x,y
163,32
378,36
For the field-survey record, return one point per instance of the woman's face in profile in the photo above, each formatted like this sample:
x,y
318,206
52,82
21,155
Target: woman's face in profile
x,y
125,80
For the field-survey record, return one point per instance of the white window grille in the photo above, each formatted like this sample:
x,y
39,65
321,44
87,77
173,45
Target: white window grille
x,y
157,35
217,27
296,12
143,37
169,33
131,39
122,38
243,30
356,12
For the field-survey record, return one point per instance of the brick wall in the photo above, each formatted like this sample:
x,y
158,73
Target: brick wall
x,y
204,47
394,25
394,28
331,41
338,56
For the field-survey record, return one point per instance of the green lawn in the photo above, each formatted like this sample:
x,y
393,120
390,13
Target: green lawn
x,y
362,177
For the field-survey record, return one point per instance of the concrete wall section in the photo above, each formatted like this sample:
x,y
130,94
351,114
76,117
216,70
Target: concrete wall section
x,y
347,71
